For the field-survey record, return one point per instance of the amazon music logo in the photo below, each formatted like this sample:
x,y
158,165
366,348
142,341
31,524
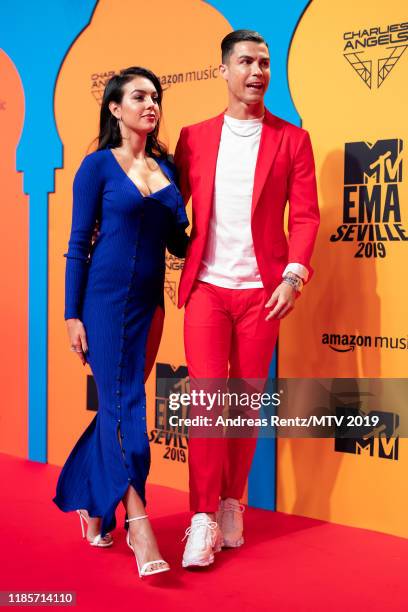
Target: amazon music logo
x,y
345,343
374,52
190,76
380,441
173,438
371,197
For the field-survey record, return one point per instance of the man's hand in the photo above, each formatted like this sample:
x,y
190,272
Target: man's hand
x,y
283,298
77,338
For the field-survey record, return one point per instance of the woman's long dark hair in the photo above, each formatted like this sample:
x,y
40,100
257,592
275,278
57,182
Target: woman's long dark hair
x,y
109,131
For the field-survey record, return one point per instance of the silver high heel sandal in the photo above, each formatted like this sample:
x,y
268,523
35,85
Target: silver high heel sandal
x,y
143,571
101,542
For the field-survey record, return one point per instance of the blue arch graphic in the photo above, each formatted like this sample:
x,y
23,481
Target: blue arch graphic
x,y
37,36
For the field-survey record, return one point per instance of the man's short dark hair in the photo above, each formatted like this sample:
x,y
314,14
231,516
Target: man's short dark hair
x,y
227,44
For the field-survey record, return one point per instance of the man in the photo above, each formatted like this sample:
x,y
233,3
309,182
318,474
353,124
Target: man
x,y
241,276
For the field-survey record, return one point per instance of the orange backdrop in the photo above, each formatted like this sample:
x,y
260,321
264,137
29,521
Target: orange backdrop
x,y
348,93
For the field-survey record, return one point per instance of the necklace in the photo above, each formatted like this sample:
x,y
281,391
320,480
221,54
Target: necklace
x,y
256,130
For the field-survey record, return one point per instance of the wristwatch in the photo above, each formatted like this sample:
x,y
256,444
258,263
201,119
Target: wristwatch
x,y
294,281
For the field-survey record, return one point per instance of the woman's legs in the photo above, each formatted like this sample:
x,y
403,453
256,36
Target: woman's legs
x,y
141,533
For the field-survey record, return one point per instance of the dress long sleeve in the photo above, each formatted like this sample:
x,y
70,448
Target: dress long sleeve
x,y
87,193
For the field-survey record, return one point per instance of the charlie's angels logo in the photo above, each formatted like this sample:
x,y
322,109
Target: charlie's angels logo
x,y
380,441
98,82
170,379
174,265
374,52
371,201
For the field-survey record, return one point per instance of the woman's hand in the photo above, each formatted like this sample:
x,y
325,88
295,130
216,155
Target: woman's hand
x,y
77,337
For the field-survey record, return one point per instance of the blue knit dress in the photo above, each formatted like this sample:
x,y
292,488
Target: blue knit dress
x,y
115,287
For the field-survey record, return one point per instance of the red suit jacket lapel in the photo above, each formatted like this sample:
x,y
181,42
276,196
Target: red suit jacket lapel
x,y
271,137
209,163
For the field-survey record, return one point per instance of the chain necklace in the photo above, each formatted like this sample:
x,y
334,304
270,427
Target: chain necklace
x,y
258,125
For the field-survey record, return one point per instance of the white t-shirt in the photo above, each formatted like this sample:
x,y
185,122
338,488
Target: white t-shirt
x,y
229,257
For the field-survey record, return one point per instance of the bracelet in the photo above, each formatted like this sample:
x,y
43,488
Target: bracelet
x,y
296,283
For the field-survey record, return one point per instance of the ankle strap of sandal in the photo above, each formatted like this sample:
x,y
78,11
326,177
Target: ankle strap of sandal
x,y
136,518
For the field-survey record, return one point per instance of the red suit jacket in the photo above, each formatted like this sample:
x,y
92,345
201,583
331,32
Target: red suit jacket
x,y
284,172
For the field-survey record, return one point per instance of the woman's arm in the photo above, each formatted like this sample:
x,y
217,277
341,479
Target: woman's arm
x,y
87,192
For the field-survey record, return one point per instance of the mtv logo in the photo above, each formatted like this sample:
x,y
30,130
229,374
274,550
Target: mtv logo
x,y
168,380
380,441
366,163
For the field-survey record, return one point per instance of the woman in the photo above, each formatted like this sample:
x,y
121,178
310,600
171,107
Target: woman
x,y
114,306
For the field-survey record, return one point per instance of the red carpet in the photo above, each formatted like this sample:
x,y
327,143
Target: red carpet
x,y
288,563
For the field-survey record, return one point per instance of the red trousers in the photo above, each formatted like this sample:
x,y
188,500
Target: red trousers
x,y
225,336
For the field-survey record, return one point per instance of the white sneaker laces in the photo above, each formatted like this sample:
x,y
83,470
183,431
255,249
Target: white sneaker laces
x,y
210,524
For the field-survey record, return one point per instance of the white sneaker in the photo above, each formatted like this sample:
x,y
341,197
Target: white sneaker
x,y
204,539
230,520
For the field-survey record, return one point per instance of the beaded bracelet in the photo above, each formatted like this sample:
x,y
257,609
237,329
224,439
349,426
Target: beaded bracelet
x,y
296,283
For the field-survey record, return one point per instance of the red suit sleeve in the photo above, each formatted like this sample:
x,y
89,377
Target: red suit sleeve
x,y
304,214
181,159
